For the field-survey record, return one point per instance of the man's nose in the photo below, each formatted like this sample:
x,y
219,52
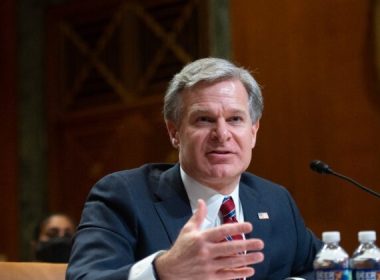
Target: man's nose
x,y
221,132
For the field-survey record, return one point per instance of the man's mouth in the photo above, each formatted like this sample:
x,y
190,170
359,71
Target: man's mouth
x,y
219,152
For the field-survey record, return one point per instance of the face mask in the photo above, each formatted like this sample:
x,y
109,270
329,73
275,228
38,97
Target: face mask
x,y
55,250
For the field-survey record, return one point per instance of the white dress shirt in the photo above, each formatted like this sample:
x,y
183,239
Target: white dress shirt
x,y
213,200
143,269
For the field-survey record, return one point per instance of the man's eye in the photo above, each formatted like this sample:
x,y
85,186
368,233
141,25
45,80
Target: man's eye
x,y
204,119
235,119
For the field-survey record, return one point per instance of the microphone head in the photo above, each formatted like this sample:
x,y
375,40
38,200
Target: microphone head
x,y
320,167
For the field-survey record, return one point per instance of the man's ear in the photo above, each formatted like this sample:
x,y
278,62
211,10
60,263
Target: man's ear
x,y
173,133
255,129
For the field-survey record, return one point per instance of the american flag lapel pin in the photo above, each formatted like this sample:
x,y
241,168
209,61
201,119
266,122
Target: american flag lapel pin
x,y
263,216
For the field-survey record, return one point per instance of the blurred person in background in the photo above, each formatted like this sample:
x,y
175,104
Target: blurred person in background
x,y
52,238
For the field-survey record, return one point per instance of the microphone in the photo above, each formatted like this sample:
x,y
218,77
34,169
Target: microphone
x,y
323,168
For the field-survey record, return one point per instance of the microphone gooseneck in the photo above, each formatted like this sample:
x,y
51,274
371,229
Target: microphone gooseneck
x,y
322,168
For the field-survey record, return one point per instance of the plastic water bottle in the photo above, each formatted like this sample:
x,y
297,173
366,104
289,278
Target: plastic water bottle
x,y
332,262
365,261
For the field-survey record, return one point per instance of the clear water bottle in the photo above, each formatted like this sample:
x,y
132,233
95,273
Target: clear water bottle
x,y
332,262
365,261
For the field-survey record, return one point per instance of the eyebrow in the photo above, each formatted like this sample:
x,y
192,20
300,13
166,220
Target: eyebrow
x,y
200,111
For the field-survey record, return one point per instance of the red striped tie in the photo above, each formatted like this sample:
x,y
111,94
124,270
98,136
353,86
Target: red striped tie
x,y
229,215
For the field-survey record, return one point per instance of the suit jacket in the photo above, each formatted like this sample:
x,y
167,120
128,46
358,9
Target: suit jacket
x,y
131,214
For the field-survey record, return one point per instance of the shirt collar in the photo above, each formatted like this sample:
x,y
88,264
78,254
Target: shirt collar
x,y
213,199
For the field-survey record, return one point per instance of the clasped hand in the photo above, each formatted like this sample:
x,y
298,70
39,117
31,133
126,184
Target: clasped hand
x,y
200,254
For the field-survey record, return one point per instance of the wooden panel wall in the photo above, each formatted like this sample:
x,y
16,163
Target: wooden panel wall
x,y
314,61
8,127
108,66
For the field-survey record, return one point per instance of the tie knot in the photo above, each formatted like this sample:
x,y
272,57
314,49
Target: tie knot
x,y
228,208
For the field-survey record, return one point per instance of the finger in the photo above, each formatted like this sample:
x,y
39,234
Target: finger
x,y
198,217
222,249
236,273
239,260
219,233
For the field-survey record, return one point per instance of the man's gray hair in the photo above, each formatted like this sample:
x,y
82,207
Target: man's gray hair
x,y
210,70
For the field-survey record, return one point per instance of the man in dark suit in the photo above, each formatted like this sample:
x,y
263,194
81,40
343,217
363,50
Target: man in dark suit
x,y
164,221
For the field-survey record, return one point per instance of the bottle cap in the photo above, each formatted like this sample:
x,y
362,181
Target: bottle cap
x,y
331,236
367,236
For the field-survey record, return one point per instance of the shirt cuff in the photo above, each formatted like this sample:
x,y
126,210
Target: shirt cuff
x,y
143,269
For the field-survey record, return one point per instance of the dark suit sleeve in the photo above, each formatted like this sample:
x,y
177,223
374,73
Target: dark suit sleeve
x,y
307,246
105,241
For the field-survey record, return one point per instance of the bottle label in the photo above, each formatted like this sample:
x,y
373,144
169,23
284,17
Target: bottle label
x,y
366,274
333,274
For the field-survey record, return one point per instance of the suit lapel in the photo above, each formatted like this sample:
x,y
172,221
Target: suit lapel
x,y
173,206
255,212
252,207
